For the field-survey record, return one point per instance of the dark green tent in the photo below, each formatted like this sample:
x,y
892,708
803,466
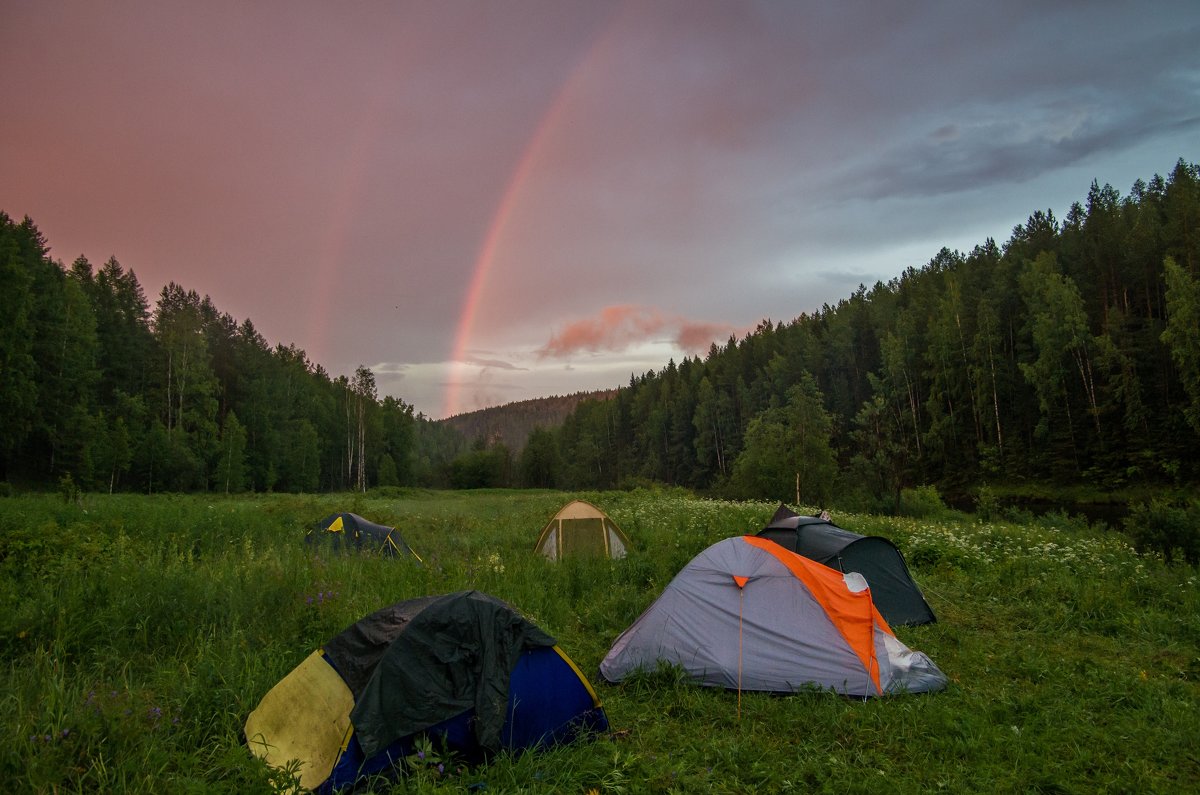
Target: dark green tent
x,y
349,531
877,559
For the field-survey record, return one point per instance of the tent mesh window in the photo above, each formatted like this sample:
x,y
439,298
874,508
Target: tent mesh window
x,y
583,537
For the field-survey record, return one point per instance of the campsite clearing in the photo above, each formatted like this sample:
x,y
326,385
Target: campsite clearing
x,y
140,632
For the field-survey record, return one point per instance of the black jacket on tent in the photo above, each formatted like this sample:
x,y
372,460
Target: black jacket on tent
x,y
458,652
346,531
896,596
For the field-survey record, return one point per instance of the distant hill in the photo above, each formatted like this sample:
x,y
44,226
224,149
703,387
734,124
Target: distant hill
x,y
513,422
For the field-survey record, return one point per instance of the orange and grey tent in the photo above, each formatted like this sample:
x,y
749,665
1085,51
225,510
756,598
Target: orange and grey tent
x,y
346,531
581,529
747,614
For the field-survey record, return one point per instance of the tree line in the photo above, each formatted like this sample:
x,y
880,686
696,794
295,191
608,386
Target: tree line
x,y
1069,354
102,392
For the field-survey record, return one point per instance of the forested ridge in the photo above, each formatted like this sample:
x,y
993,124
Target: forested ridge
x,y
1071,353
512,423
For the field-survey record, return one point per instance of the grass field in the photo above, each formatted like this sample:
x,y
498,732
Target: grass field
x,y
138,632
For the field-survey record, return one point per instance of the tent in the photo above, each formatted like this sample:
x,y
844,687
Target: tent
x,y
897,597
581,529
345,531
464,668
747,614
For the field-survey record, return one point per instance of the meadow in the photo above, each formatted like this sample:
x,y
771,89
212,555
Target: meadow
x,y
138,632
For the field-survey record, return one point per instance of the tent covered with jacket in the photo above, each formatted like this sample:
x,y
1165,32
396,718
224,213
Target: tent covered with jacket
x,y
349,531
746,614
877,559
464,669
582,530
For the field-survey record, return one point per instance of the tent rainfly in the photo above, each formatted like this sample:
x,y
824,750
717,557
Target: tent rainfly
x,y
580,529
877,559
346,531
464,669
747,614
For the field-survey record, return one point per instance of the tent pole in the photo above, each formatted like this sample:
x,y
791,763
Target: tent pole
x,y
741,602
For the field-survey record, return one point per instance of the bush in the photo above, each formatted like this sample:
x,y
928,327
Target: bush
x,y
1166,527
922,502
987,504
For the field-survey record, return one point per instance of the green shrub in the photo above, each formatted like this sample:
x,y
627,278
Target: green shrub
x,y
921,502
987,504
1166,527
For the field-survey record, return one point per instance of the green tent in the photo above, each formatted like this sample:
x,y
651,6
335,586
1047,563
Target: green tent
x,y
877,559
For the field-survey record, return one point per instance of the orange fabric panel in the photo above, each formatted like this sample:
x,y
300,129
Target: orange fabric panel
x,y
741,581
853,614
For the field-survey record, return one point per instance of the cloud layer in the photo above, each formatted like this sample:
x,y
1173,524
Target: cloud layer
x,y
640,179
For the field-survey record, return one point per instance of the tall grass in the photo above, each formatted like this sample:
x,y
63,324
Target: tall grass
x,y
137,634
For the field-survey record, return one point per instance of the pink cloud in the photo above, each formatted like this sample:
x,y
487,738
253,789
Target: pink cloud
x,y
697,338
615,328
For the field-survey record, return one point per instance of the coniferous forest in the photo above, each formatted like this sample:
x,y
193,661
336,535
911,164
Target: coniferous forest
x,y
101,391
1068,354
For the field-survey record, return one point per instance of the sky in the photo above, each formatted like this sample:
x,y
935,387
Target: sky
x,y
486,202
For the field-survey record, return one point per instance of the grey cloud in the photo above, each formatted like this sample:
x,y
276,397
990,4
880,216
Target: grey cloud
x,y
1011,148
492,364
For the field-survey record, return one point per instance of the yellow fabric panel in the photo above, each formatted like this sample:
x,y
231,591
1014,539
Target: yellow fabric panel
x,y
306,717
336,527
578,509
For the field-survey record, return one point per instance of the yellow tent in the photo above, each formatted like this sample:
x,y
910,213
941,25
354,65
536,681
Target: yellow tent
x,y
581,529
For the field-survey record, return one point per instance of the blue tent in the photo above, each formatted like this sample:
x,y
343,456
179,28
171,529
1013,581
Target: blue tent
x,y
464,670
346,531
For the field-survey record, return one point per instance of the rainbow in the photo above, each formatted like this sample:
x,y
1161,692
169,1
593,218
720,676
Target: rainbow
x,y
509,199
487,256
